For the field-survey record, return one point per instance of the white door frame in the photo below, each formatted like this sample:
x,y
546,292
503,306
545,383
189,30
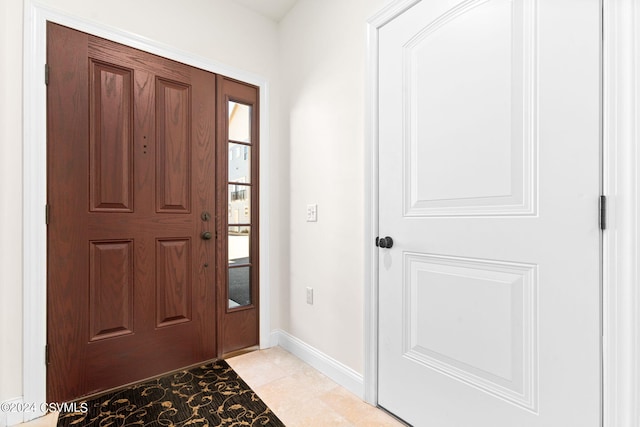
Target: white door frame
x,y
34,334
621,240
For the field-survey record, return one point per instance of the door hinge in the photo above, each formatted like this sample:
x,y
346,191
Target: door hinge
x,y
603,212
46,74
47,359
47,212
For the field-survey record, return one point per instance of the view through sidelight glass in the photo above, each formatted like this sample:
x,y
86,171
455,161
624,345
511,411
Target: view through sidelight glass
x,y
239,205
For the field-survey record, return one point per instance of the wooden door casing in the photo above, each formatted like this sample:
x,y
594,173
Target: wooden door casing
x,y
131,167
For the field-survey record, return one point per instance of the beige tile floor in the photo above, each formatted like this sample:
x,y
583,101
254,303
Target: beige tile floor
x,y
301,396
298,394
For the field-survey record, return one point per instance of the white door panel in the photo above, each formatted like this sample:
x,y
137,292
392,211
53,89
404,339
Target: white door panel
x,y
489,183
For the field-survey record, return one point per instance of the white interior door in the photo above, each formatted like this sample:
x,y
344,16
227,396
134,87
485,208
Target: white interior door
x,y
489,179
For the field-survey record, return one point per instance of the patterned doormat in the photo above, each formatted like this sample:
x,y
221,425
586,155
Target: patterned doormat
x,y
209,395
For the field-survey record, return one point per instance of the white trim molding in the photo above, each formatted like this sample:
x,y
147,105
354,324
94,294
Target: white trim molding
x,y
336,371
36,16
621,163
371,197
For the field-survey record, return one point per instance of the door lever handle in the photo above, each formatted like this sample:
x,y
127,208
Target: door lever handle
x,y
384,242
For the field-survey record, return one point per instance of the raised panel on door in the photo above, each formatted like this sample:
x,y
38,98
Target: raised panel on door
x,y
173,117
474,320
173,282
111,146
111,285
470,112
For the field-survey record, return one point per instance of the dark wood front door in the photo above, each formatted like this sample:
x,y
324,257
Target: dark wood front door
x,y
131,178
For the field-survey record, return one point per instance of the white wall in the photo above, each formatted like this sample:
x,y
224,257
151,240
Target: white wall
x,y
217,30
322,48
10,199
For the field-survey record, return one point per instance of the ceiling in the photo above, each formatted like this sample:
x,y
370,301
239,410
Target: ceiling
x,y
274,9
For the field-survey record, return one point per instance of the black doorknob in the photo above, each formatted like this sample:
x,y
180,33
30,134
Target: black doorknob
x,y
206,235
384,242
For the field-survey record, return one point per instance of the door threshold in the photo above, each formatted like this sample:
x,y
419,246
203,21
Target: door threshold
x,y
240,352
394,416
134,383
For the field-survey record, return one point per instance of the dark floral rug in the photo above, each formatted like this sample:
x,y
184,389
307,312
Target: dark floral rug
x,y
209,395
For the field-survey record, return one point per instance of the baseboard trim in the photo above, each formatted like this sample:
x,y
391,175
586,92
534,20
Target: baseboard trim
x,y
336,371
10,415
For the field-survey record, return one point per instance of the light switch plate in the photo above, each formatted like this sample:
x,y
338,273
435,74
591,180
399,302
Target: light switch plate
x,y
312,213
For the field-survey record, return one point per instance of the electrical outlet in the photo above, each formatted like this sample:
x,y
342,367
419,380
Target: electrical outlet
x,y
310,296
312,213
